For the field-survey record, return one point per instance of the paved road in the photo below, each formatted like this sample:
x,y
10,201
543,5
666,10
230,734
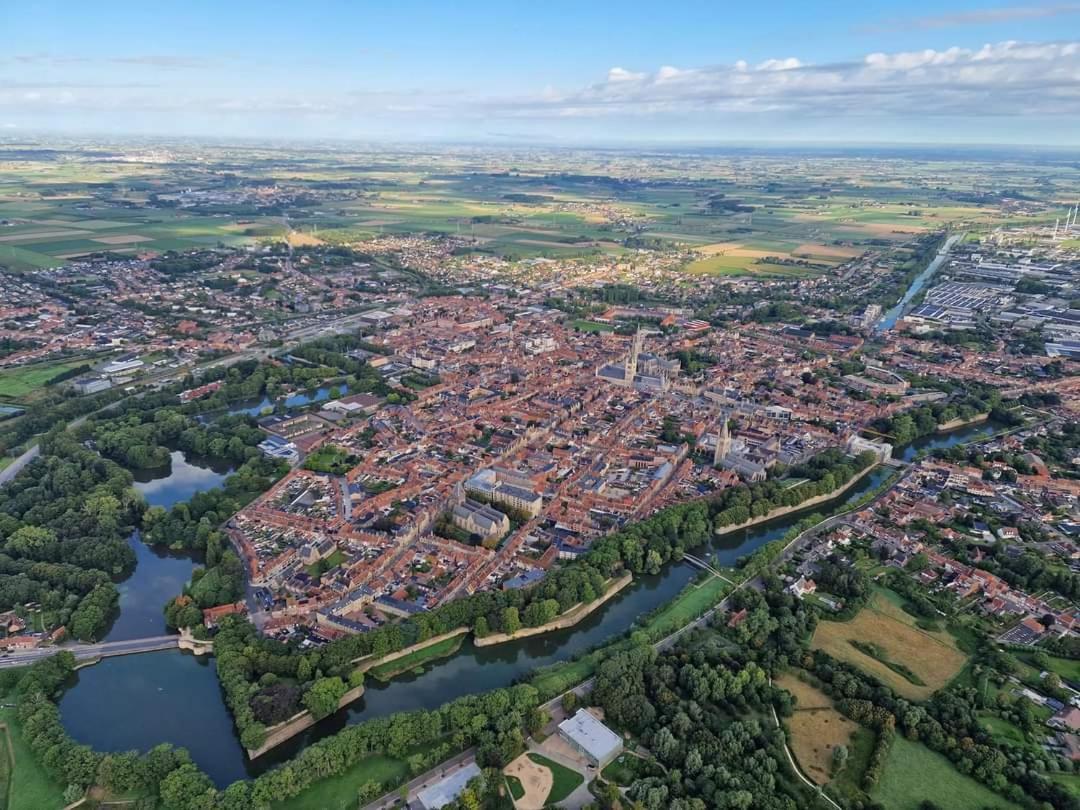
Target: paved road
x,y
12,469
83,652
466,757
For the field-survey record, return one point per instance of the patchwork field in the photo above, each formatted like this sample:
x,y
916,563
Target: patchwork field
x,y
816,728
932,658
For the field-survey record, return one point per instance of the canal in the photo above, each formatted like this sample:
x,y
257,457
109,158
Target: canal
x,y
180,691
889,319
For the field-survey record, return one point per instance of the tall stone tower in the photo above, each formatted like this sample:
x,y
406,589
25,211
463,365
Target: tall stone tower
x,y
632,358
723,443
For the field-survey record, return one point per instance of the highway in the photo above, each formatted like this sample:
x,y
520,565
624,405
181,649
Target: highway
x,y
83,652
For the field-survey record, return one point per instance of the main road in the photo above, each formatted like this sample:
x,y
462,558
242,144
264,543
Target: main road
x,y
85,652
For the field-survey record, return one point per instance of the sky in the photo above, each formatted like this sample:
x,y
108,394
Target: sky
x,y
585,73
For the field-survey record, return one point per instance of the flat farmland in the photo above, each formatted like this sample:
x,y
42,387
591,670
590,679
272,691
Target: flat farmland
x,y
931,658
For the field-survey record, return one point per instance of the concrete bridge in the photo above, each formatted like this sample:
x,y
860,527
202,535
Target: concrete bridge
x,y
84,652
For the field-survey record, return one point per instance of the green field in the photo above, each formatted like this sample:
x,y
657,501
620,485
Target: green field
x,y
19,382
565,781
913,773
1002,729
447,647
687,606
515,787
340,792
592,326
31,786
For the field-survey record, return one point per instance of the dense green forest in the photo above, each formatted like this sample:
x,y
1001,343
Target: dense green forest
x,y
64,520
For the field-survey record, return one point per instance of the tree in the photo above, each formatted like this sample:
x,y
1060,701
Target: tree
x,y
511,620
480,627
188,788
324,695
839,759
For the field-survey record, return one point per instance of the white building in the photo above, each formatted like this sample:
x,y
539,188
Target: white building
x,y
591,737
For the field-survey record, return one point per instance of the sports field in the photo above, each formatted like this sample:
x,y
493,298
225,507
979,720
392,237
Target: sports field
x,y
933,659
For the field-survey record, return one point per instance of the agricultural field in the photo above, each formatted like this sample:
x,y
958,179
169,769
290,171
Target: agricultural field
x,y
730,211
816,728
914,774
911,661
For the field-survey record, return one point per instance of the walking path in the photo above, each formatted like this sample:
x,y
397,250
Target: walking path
x,y
795,766
13,469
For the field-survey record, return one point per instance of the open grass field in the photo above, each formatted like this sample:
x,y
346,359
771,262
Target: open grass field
x,y
31,786
417,659
932,658
913,774
816,728
339,792
19,382
592,326
564,780
694,600
1001,729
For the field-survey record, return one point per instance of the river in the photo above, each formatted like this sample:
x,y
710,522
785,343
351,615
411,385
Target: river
x,y
169,694
889,319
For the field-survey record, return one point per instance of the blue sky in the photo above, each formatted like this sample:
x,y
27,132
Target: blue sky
x,y
558,72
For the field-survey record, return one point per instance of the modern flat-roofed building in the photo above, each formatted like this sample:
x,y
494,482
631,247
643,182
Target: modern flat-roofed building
x,y
591,737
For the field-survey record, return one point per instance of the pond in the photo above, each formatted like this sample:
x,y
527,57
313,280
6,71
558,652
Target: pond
x,y
160,573
186,475
255,407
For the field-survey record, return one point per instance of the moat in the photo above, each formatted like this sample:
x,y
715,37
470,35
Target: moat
x,y
142,700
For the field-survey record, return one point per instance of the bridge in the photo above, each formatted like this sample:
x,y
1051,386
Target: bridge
x,y
705,566
86,652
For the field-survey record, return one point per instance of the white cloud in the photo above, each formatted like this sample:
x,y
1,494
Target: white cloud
x,y
1000,79
1005,78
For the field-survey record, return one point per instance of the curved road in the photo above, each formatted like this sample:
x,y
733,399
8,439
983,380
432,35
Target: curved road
x,y
13,469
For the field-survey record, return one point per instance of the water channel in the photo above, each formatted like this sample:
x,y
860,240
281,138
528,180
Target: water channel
x,y
255,407
889,319
141,700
